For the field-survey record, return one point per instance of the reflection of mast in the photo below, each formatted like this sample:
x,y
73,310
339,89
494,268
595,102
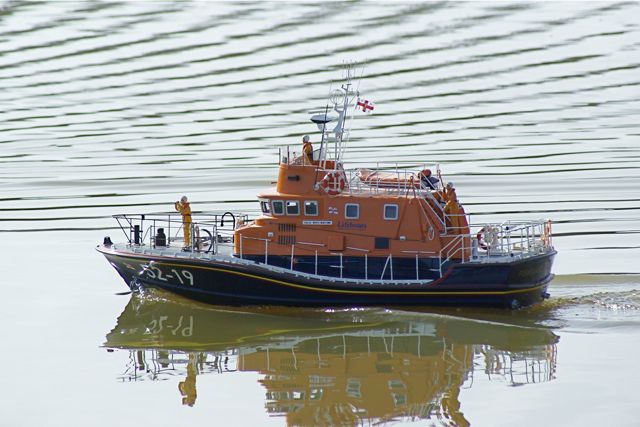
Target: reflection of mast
x,y
450,402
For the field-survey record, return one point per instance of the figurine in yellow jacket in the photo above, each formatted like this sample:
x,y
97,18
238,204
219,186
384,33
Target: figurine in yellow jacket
x,y
307,151
453,210
185,210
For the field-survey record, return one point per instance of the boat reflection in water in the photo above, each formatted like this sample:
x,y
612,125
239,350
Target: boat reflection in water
x,y
332,367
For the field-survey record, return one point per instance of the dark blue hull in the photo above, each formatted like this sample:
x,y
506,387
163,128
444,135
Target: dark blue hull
x,y
510,284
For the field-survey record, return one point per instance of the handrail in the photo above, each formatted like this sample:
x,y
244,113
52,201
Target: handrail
x,y
512,238
131,223
389,262
446,250
442,220
392,179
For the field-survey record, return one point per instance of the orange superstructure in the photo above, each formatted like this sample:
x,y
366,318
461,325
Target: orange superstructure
x,y
387,223
388,215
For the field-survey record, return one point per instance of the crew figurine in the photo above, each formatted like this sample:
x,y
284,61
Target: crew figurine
x,y
185,210
307,150
428,180
452,209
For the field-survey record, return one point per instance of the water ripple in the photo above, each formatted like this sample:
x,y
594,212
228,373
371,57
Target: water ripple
x,y
530,108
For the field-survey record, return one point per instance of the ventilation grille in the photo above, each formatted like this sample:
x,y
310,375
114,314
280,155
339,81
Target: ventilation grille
x,y
287,228
286,240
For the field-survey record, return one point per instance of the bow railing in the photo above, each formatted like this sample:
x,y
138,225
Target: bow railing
x,y
161,230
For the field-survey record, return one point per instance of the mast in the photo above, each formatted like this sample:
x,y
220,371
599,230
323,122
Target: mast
x,y
332,124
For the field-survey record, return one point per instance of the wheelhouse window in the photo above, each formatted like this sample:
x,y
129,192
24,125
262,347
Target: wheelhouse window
x,y
311,208
264,205
277,207
391,212
293,207
352,211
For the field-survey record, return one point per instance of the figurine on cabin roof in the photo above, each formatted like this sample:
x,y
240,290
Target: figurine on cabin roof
x,y
307,150
450,193
428,180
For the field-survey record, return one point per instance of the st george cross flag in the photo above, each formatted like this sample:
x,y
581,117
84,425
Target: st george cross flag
x,y
365,105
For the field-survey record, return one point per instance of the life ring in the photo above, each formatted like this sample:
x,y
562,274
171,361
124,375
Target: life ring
x,y
487,237
333,183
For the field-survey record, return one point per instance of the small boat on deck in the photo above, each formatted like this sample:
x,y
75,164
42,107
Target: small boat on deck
x,y
330,236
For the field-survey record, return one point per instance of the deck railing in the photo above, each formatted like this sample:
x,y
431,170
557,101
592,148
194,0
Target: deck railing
x,y
491,243
206,233
495,240
396,179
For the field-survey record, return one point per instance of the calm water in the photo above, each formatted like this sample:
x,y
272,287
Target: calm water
x,y
120,107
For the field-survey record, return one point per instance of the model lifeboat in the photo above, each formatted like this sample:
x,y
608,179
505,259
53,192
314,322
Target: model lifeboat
x,y
331,236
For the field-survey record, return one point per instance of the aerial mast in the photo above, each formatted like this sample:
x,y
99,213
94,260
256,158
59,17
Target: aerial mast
x,y
332,124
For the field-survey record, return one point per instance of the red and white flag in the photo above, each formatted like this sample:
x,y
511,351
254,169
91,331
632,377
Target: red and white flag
x,y
365,105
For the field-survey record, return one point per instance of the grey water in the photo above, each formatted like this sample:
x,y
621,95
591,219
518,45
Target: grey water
x,y
107,107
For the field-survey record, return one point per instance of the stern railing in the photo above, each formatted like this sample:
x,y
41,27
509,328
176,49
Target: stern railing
x,y
494,241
